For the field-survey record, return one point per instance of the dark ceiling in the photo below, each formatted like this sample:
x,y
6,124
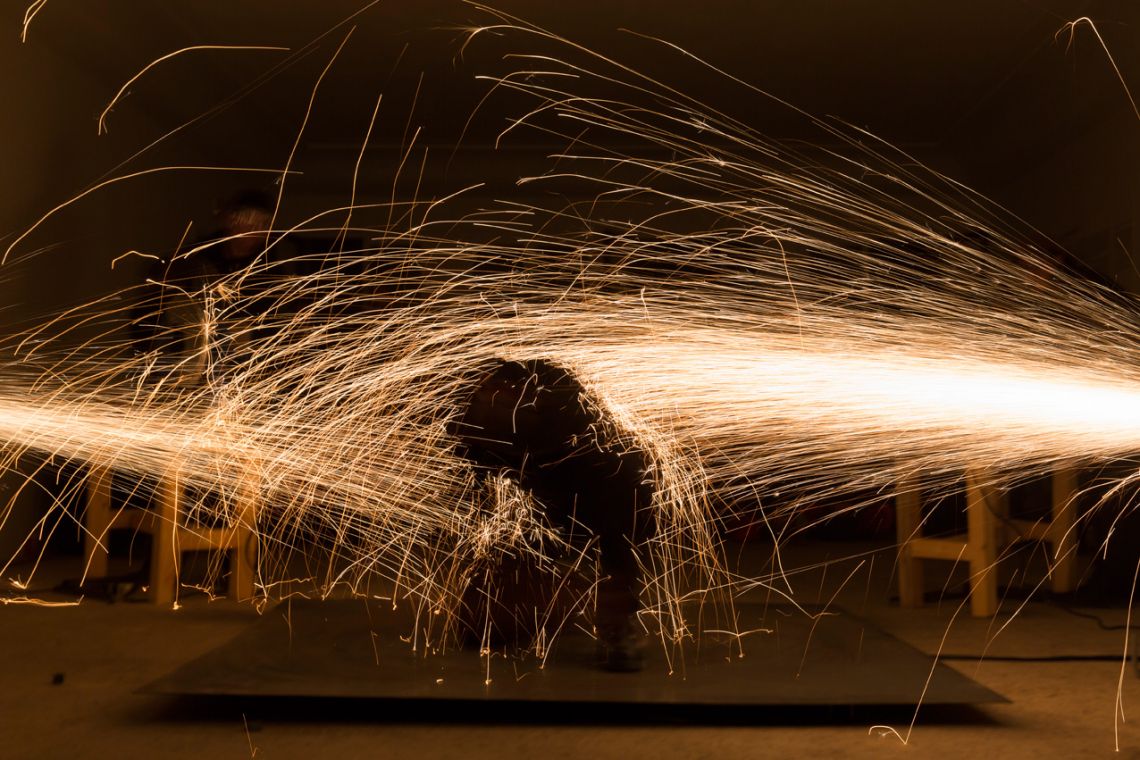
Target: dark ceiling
x,y
915,72
980,88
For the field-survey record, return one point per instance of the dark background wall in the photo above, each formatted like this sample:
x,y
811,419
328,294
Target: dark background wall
x,y
982,90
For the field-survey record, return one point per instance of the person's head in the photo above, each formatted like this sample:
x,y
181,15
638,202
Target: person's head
x,y
246,214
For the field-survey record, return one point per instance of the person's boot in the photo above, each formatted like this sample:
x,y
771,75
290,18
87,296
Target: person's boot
x,y
621,644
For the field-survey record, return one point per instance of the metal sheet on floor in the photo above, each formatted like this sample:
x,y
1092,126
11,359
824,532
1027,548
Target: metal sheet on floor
x,y
339,649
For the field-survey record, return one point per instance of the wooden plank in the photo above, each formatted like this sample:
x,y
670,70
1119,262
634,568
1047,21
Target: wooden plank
x,y
164,557
948,548
1062,534
97,521
244,539
982,529
908,526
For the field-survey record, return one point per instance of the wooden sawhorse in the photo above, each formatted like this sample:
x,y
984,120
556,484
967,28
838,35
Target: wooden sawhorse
x,y
989,528
170,535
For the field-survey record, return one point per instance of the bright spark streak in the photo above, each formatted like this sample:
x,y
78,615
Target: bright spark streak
x,y
29,14
1071,28
33,602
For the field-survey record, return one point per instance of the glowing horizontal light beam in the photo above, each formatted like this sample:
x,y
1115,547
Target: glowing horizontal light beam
x,y
1031,408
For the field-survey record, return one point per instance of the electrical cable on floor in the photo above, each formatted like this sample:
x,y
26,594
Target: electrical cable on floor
x,y
1031,658
1091,616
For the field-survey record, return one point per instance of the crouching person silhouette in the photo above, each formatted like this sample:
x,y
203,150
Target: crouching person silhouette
x,y
534,423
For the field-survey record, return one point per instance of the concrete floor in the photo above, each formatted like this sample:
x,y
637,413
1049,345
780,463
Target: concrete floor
x,y
104,653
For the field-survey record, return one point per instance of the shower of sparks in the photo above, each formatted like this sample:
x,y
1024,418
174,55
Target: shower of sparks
x,y
776,325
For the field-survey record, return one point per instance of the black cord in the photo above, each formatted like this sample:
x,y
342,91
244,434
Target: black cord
x,y
1093,617
1030,658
